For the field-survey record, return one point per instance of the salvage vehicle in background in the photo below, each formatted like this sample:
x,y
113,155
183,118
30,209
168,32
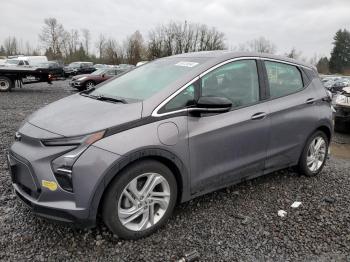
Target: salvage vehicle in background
x,y
83,82
26,61
10,76
54,68
167,132
342,114
78,68
338,85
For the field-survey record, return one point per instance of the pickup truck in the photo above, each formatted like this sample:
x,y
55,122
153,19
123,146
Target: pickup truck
x,y
10,77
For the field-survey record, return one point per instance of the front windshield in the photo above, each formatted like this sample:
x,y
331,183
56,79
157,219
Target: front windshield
x,y
145,81
99,72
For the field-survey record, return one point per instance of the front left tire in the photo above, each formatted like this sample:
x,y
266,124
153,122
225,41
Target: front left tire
x,y
140,199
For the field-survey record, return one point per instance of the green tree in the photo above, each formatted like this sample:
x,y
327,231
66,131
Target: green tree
x,y
340,55
323,65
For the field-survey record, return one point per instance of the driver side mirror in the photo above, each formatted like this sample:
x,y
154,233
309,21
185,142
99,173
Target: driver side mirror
x,y
212,104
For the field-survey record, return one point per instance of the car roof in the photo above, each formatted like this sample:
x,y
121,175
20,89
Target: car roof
x,y
226,54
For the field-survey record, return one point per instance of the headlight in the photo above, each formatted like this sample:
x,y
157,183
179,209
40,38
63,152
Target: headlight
x,y
63,165
341,99
81,78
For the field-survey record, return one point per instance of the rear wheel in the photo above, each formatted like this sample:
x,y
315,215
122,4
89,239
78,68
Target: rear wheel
x,y
314,154
6,84
139,200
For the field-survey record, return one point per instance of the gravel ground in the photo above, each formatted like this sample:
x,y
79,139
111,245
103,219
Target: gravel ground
x,y
238,223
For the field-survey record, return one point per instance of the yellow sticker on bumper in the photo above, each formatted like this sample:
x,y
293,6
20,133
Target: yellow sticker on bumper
x,y
49,184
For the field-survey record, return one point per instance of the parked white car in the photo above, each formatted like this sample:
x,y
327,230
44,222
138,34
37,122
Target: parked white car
x,y
26,60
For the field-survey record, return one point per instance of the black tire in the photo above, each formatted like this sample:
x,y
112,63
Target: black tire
x,y
117,186
6,84
302,166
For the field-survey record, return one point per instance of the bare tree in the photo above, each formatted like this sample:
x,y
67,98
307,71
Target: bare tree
x,y
261,45
177,38
100,45
113,52
86,39
11,46
294,54
52,36
134,48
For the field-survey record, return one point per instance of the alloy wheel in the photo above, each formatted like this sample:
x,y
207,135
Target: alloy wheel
x,y
316,154
144,201
90,85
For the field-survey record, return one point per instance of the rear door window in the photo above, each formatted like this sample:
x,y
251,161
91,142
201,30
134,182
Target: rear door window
x,y
283,79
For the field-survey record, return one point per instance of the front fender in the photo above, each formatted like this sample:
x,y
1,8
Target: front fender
x,y
182,174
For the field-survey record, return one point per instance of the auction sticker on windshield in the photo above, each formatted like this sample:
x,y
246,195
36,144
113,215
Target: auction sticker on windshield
x,y
187,64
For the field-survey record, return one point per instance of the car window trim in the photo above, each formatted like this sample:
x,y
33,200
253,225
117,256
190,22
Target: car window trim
x,y
264,86
155,111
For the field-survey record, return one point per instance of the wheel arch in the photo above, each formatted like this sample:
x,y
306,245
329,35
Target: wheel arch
x,y
165,157
325,129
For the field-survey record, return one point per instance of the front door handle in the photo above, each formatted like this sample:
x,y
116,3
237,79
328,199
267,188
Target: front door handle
x,y
260,115
310,101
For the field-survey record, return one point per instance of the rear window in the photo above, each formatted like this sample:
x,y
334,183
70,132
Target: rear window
x,y
283,79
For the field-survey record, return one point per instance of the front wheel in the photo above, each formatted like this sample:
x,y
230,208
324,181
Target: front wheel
x,y
314,155
139,200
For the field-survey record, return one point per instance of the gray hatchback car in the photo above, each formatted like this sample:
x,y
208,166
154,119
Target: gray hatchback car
x,y
166,132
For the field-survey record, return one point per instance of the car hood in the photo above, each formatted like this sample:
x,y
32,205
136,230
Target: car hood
x,y
77,115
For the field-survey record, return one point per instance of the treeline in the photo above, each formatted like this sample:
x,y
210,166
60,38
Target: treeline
x,y
74,45
339,61
163,40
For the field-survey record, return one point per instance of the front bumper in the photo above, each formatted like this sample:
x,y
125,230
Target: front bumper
x,y
29,163
27,187
75,84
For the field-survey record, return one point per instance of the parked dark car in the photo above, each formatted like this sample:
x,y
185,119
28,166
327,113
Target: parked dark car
x,y
55,69
82,82
78,68
166,132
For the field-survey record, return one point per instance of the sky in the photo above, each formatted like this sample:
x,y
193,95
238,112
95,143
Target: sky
x,y
307,25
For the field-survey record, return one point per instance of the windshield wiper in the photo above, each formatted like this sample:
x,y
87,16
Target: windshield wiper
x,y
111,99
102,97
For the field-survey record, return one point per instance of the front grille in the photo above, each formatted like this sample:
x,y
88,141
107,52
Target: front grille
x,y
22,175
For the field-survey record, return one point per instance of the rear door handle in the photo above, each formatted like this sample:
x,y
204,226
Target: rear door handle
x,y
258,116
310,101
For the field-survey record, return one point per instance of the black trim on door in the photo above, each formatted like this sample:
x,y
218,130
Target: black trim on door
x,y
262,75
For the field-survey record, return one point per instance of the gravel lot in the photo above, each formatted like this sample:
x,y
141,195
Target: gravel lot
x,y
238,223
